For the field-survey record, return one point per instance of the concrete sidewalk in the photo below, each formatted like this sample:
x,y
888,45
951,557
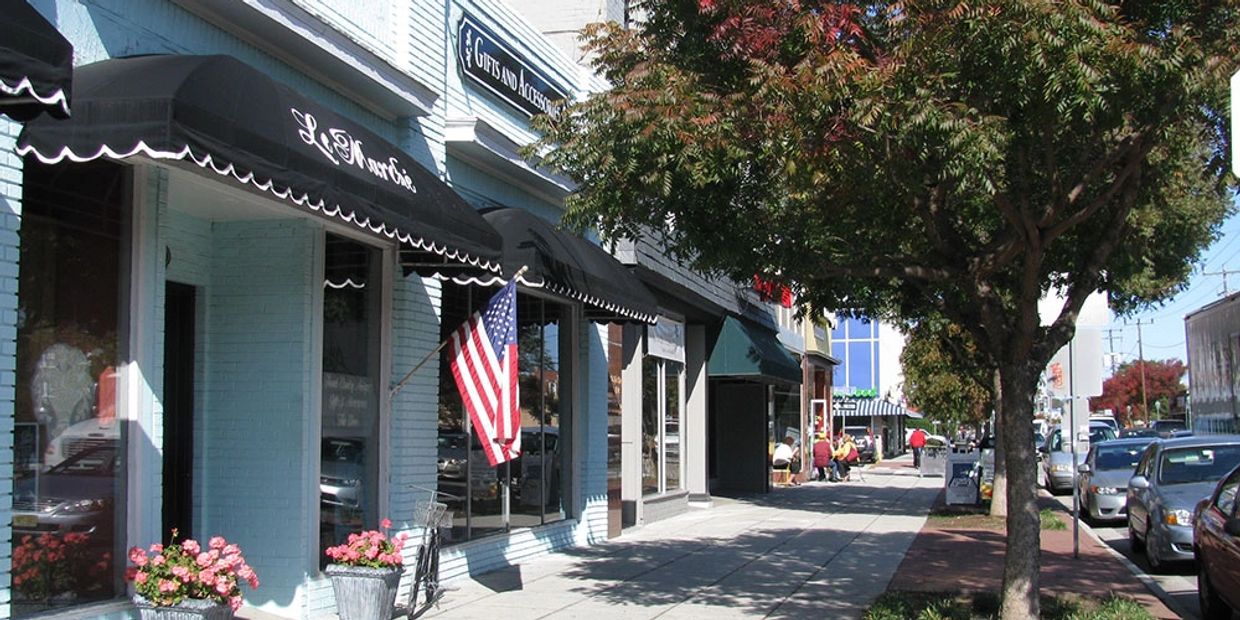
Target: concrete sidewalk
x,y
814,551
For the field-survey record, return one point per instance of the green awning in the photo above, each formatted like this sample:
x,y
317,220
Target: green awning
x,y
747,351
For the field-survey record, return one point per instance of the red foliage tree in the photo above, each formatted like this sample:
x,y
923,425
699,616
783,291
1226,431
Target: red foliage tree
x,y
1122,392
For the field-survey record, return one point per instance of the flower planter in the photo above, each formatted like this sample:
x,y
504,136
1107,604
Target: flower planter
x,y
364,593
188,609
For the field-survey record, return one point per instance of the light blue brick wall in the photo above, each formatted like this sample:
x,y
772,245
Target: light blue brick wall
x,y
10,224
256,486
593,458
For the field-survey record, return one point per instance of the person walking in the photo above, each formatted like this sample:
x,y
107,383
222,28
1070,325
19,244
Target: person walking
x,y
917,441
822,456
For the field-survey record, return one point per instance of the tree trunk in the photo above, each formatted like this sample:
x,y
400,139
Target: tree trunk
x,y
998,492
1020,568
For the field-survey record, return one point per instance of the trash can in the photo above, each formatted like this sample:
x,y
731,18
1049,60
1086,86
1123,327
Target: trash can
x,y
960,479
933,460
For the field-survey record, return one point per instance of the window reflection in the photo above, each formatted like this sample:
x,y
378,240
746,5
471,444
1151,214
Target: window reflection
x,y
672,372
349,459
67,435
526,491
662,407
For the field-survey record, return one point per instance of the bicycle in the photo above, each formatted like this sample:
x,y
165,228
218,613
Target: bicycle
x,y
430,515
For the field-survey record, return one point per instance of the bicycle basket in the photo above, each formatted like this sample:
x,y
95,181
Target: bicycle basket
x,y
428,514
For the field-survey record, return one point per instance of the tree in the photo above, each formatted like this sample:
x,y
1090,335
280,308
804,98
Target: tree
x,y
920,158
946,377
943,375
1122,392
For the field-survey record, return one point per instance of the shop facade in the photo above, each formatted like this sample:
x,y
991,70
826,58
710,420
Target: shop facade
x,y
211,326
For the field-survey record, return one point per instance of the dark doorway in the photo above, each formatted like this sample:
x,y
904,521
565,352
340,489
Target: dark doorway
x,y
180,309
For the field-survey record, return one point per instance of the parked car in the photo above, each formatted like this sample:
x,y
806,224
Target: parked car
x,y
1216,547
1172,476
865,443
1137,431
74,496
1165,428
1057,462
341,474
1107,419
1103,479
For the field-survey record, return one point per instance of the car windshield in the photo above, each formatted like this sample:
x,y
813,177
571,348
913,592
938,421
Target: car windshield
x,y
342,450
1200,464
1100,433
1138,432
95,462
1118,457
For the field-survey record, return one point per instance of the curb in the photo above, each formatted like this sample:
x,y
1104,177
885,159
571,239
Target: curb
x,y
1149,582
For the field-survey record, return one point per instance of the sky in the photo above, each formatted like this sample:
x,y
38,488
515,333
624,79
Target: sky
x,y
1162,328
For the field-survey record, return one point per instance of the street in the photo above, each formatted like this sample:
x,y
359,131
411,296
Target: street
x,y
1178,583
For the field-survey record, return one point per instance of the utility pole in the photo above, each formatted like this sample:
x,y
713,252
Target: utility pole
x,y
1222,272
1145,404
1111,352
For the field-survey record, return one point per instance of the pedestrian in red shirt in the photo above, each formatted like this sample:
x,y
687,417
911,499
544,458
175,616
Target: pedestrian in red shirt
x,y
917,441
822,456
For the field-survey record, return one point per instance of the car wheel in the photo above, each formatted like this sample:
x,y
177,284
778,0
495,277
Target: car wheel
x,y
1135,544
1151,552
1211,604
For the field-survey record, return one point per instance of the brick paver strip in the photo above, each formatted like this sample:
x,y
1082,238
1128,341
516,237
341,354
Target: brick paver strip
x,y
948,558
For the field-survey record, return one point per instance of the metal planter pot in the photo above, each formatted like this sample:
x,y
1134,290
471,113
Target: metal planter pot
x,y
189,609
364,593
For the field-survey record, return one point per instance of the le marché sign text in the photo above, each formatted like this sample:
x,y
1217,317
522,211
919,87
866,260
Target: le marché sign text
x,y
492,64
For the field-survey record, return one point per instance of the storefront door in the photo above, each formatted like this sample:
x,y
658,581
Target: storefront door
x,y
179,321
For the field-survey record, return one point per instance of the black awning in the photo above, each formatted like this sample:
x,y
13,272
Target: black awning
x,y
567,265
227,117
36,64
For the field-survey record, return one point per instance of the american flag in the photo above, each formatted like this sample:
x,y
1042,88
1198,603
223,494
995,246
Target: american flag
x,y
484,363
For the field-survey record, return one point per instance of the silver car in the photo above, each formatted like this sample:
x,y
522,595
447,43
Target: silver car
x,y
1058,456
1103,482
1172,476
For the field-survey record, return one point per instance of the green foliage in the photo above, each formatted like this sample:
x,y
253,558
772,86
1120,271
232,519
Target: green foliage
x,y
1051,521
945,376
917,158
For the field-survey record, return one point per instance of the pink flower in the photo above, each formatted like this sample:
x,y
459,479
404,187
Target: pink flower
x,y
182,573
191,546
385,524
235,602
222,587
157,548
217,542
158,560
139,577
137,556
166,585
207,577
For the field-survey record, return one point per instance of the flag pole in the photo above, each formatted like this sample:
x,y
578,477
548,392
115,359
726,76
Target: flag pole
x,y
409,375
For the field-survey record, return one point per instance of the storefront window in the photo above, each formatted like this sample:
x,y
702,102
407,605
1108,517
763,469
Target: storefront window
x,y
68,436
662,407
652,453
672,403
529,490
787,420
349,457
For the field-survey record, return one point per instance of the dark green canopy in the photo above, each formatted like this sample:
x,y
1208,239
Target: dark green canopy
x,y
748,351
